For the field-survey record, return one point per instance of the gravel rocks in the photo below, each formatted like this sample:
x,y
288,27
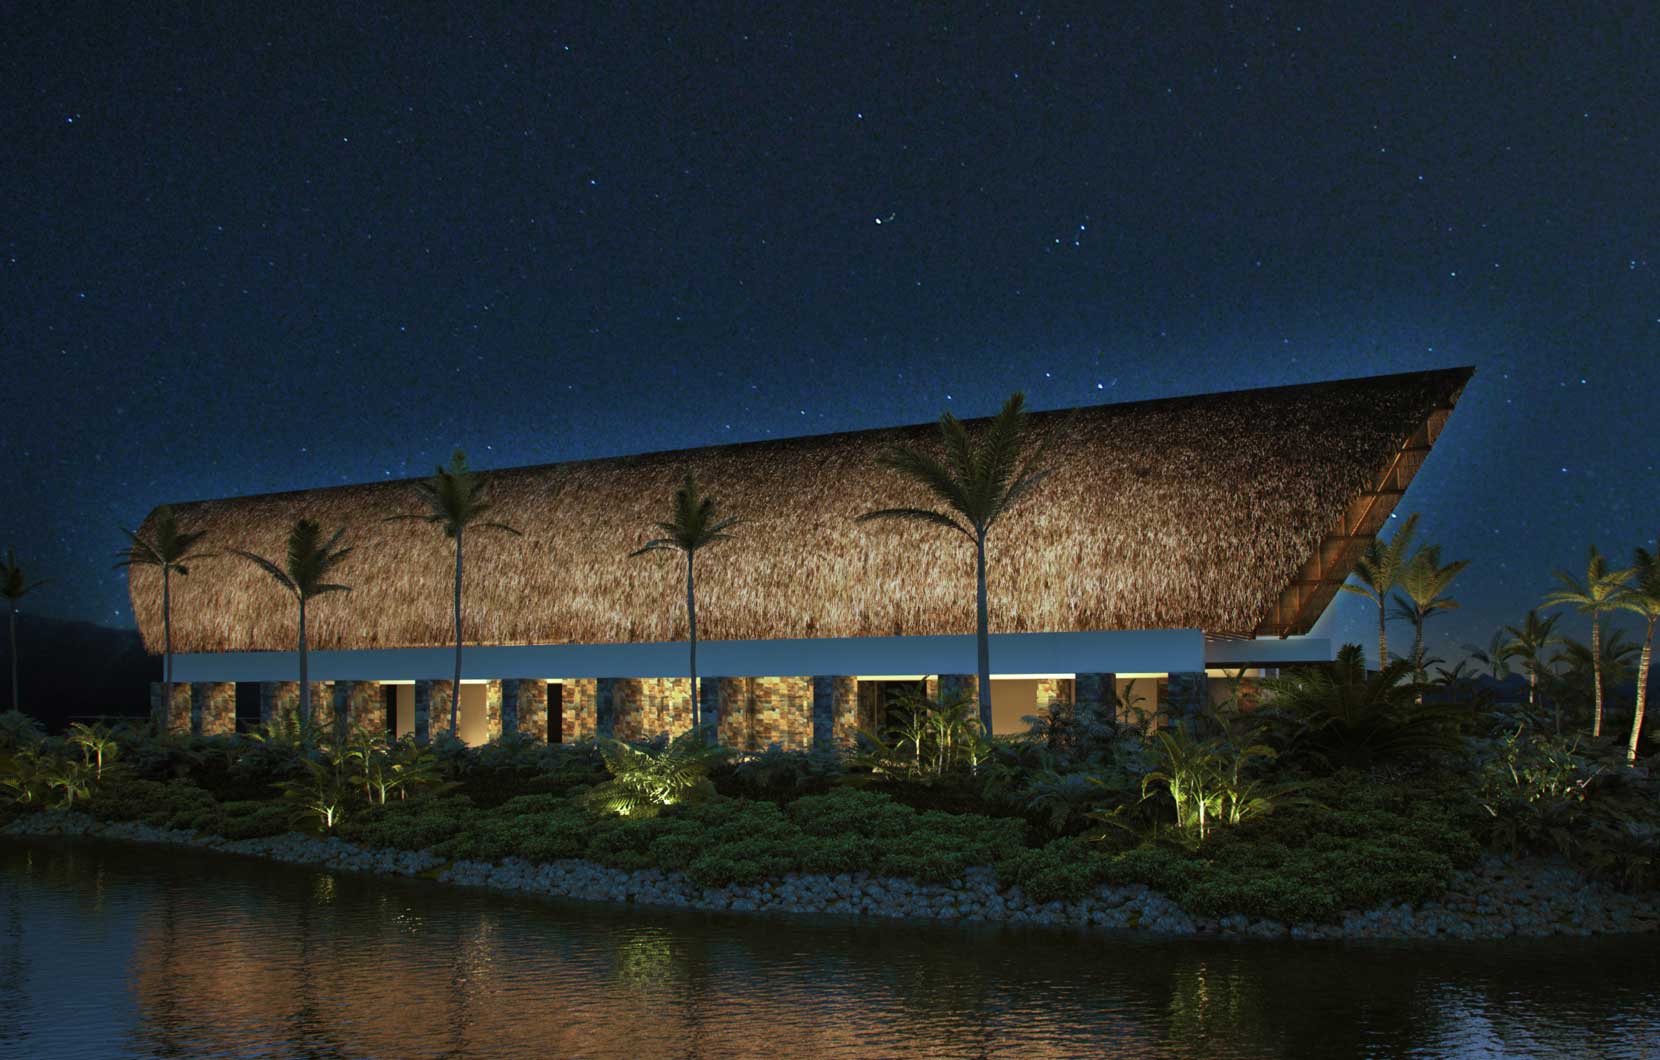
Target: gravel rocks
x,y
1498,898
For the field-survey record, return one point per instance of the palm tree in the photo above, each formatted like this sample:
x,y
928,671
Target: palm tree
x,y
1528,642
1379,570
168,549
1615,659
1643,598
1600,592
1422,595
979,481
693,523
14,586
309,562
1493,658
455,500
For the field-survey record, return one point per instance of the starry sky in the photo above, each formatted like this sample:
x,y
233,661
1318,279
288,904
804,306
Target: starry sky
x,y
246,249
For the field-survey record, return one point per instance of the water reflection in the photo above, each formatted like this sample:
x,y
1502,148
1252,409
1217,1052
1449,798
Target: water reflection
x,y
109,951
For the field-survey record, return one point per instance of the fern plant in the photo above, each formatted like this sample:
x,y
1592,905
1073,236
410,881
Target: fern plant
x,y
644,780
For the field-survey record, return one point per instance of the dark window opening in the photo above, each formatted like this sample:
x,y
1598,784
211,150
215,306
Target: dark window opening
x,y
556,712
247,705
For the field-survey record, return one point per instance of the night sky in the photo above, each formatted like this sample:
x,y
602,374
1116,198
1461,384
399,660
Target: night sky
x,y
249,251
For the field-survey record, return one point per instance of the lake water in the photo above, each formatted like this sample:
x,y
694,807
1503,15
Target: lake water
x,y
111,951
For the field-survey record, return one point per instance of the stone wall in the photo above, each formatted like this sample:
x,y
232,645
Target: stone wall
x,y
492,710
1095,697
358,704
440,701
578,720
215,707
173,717
757,712
1186,696
835,711
278,701
530,708
643,708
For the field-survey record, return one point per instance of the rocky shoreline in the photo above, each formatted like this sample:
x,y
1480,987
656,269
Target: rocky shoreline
x,y
1499,898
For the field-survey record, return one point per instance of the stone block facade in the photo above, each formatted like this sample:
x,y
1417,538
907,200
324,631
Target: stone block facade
x,y
278,702
577,709
359,706
757,712
171,714
214,707
440,701
1186,697
642,708
835,711
1095,697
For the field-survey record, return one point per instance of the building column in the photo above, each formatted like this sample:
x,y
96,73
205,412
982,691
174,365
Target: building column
x,y
958,685
171,717
279,701
214,707
578,709
492,709
708,705
423,712
322,708
668,710
510,707
1186,696
757,712
1095,698
606,694
835,711
440,702
530,707
356,705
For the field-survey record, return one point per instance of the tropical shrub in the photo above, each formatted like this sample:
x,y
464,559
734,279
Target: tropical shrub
x,y
1340,715
644,779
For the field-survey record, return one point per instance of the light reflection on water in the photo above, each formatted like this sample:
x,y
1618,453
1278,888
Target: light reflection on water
x,y
112,952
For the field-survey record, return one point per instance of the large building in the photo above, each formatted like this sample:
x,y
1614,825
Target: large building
x,y
1176,539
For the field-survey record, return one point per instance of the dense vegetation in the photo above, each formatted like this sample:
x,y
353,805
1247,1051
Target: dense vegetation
x,y
1329,789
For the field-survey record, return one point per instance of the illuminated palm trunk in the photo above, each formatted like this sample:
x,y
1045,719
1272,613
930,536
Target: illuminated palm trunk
x,y
455,689
982,634
1596,673
691,627
1642,693
304,707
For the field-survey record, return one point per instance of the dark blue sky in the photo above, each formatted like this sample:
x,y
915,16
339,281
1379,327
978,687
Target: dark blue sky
x,y
248,251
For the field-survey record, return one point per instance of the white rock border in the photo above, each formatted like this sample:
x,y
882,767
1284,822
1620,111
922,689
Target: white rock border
x,y
1500,898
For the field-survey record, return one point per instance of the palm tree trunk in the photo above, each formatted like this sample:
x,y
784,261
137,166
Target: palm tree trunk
x,y
982,634
303,708
166,647
455,689
1596,674
1418,656
691,627
14,653
1642,694
1383,636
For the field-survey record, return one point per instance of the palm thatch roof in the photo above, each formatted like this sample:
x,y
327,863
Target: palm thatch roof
x,y
1236,513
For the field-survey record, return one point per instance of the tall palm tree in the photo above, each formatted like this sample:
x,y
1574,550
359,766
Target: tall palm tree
x,y
14,586
1643,599
1379,571
1599,592
1529,642
694,521
1493,658
169,550
1615,659
1422,594
979,481
456,501
309,563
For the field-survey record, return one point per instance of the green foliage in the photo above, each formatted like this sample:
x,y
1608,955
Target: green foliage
x,y
18,729
1209,781
778,775
644,779
927,739
1341,715
322,792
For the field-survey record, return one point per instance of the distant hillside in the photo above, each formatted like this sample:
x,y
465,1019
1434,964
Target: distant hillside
x,y
73,669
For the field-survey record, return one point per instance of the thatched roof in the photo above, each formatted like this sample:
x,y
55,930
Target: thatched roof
x,y
1235,513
